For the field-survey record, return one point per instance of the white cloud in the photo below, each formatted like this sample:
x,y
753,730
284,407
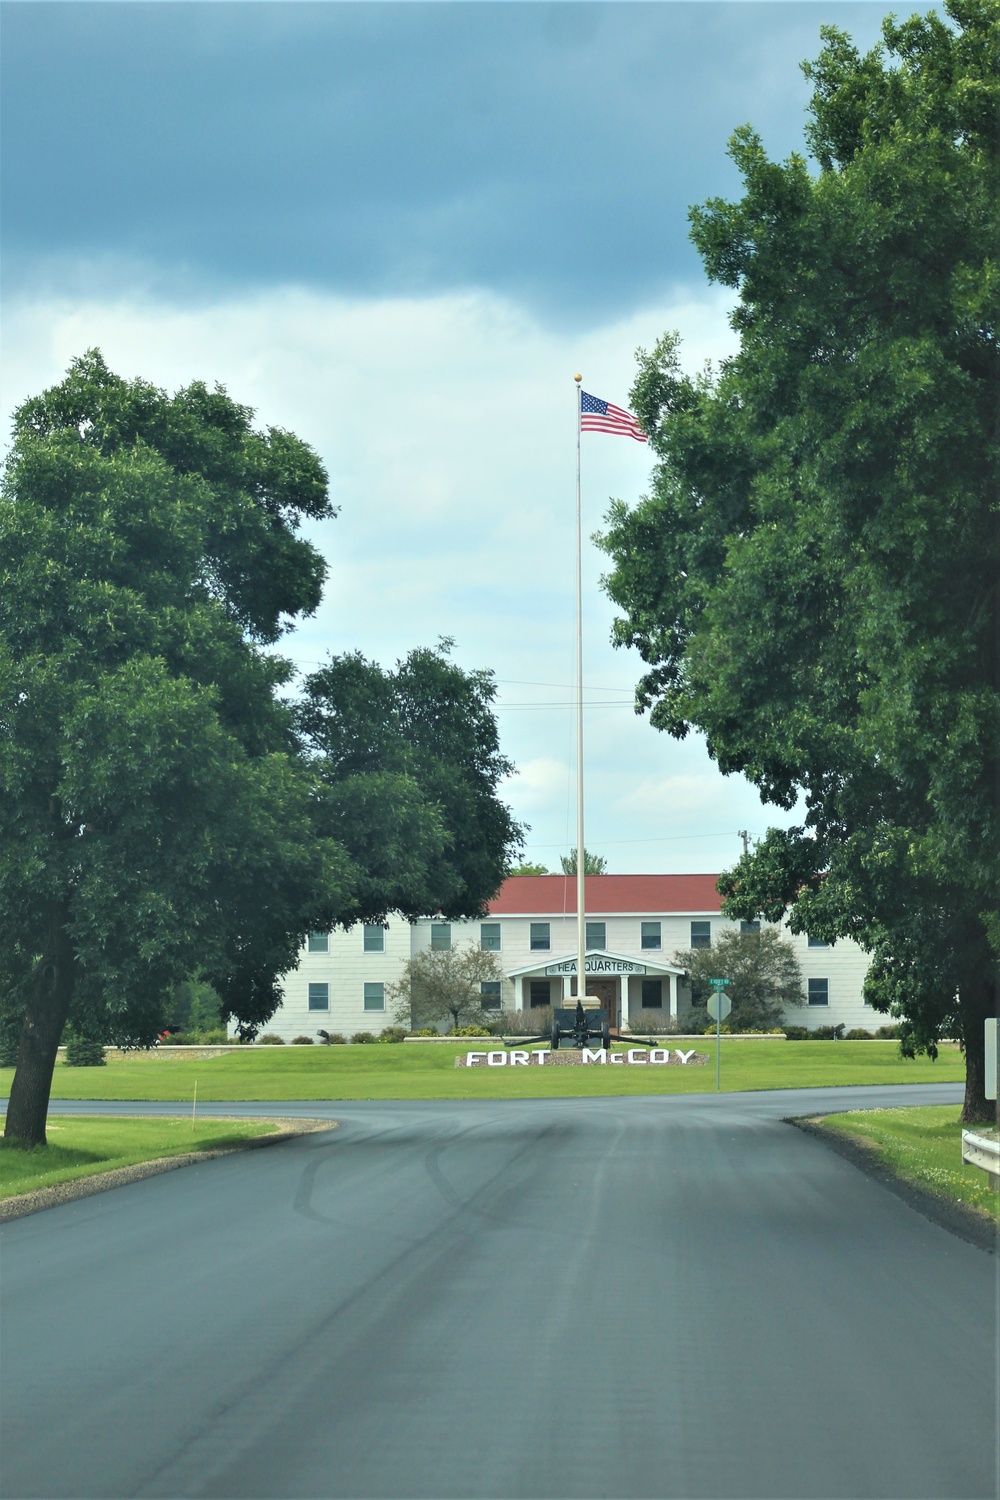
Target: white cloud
x,y
447,425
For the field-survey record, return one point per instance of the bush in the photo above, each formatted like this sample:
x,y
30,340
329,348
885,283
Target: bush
x,y
302,1041
333,1038
796,1033
858,1035
536,1022
270,1039
889,1033
362,1036
83,1052
468,1031
826,1033
427,1031
392,1034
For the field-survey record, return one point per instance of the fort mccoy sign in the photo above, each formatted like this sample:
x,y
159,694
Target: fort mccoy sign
x,y
520,1057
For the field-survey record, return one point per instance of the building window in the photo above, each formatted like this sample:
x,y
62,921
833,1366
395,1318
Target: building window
x,y
492,991
539,938
597,935
319,997
441,937
652,994
749,929
489,937
374,937
539,990
818,943
374,996
701,934
819,991
319,942
650,935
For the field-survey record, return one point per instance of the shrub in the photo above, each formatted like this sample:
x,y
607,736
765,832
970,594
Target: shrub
x,y
827,1033
392,1034
270,1039
858,1035
467,1031
536,1022
302,1041
426,1031
889,1033
84,1052
796,1033
333,1038
362,1036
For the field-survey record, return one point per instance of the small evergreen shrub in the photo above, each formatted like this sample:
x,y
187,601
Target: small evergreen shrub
x,y
858,1035
333,1038
302,1041
362,1036
796,1033
392,1034
826,1033
426,1031
270,1039
84,1052
468,1031
889,1033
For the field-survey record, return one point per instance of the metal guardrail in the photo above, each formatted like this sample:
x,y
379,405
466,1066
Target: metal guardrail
x,y
981,1150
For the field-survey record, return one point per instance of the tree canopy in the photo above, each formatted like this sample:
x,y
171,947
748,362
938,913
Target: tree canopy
x,y
445,985
593,864
813,580
762,974
165,810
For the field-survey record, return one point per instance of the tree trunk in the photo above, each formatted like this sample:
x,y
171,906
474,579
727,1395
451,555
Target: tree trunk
x,y
978,1001
52,991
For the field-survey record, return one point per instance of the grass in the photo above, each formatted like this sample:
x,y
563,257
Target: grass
x,y
386,1071
923,1146
81,1146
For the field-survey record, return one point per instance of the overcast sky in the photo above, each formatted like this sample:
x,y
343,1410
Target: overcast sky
x,y
398,230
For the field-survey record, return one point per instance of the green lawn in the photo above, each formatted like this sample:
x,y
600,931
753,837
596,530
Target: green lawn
x,y
81,1146
923,1146
411,1071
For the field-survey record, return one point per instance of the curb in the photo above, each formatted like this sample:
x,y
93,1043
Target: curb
x,y
102,1182
964,1222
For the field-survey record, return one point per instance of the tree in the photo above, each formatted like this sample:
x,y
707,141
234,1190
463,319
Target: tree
x,y
444,985
164,812
813,581
526,868
148,792
762,973
409,765
593,864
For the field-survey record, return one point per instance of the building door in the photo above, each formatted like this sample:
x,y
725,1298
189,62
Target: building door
x,y
606,991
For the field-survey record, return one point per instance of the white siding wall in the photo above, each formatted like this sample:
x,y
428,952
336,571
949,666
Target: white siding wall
x,y
346,967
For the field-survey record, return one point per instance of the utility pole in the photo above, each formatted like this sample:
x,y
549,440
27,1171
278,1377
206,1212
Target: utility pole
x,y
746,841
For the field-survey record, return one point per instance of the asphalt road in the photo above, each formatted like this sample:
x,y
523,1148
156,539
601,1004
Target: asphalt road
x,y
663,1297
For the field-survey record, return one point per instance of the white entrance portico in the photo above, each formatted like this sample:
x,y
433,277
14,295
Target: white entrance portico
x,y
627,987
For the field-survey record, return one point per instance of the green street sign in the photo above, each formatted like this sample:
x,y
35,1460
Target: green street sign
x,y
719,984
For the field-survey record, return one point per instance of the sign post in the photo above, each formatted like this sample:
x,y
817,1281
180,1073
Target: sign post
x,y
719,1007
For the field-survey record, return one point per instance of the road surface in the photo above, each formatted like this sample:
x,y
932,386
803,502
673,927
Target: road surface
x,y
660,1297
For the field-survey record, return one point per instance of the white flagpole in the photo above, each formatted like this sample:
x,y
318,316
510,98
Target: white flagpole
x,y
581,911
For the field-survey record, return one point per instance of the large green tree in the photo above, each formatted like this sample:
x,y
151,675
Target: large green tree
x,y
160,816
813,580
762,973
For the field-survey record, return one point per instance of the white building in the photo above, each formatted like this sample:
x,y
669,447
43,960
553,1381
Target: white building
x,y
635,923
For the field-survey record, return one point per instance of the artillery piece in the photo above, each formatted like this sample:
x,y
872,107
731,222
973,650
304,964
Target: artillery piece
x,y
586,1025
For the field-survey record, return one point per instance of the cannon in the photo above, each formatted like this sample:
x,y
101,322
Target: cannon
x,y
585,1025
582,1026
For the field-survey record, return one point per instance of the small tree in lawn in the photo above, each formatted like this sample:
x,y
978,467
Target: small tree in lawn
x,y
762,973
444,985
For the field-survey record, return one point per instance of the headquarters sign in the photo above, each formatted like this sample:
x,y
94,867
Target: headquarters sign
x,y
598,964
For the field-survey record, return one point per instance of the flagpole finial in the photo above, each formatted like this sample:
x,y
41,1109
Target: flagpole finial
x,y
578,378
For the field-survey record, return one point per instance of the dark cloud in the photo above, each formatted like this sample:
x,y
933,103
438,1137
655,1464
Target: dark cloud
x,y
546,151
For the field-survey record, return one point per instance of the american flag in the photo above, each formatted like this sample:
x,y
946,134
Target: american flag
x,y
600,416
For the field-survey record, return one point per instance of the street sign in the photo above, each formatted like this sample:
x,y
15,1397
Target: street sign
x,y
719,1006
719,984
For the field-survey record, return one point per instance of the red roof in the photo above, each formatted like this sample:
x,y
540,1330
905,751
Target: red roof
x,y
550,895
